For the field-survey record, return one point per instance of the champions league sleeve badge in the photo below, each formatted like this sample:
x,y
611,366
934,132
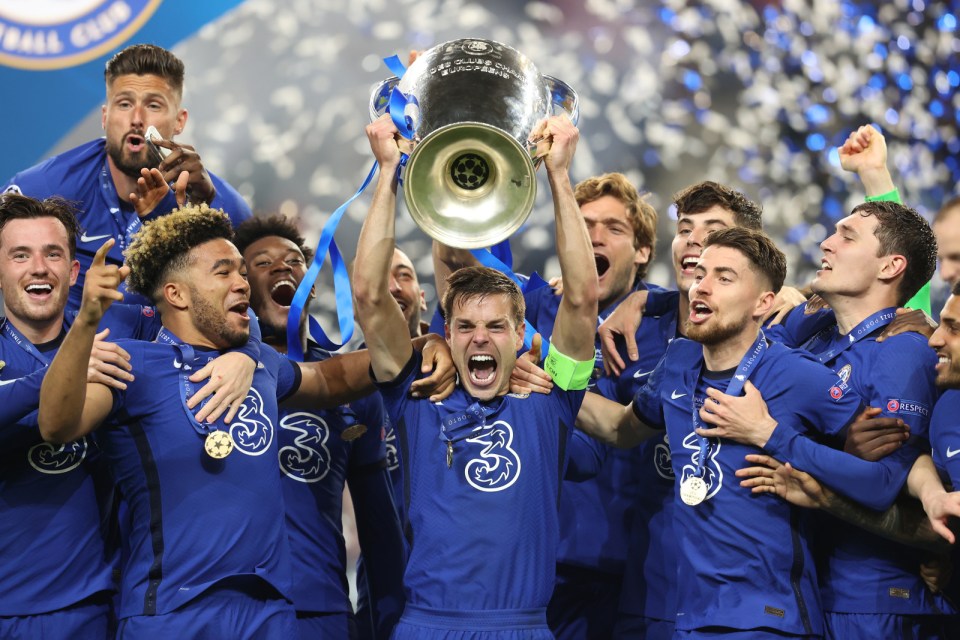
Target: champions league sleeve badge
x,y
56,34
218,444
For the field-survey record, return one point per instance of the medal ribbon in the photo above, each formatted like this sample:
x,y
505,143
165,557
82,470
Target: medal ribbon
x,y
187,360
870,324
23,343
747,364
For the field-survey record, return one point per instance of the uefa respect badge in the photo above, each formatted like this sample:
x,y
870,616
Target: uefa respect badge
x,y
54,34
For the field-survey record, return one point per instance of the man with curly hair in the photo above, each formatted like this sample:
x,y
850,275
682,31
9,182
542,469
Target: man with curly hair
x,y
208,552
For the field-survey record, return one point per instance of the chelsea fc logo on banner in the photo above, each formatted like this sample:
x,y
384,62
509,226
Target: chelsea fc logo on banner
x,y
54,34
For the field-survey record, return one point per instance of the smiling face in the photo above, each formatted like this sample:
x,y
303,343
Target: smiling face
x,y
135,102
851,262
692,230
728,296
219,294
484,340
946,342
405,289
612,237
36,272
275,268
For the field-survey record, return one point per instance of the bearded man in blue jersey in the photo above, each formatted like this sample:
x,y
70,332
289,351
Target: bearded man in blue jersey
x,y
744,567
106,177
481,469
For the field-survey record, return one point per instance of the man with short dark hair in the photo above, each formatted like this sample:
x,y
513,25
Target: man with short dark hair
x,y
482,469
729,578
144,85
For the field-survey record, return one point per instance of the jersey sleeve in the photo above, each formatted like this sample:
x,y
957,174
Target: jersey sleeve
x,y
394,392
368,451
647,405
585,457
19,399
828,408
288,372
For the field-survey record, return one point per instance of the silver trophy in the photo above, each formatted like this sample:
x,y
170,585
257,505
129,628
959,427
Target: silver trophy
x,y
471,106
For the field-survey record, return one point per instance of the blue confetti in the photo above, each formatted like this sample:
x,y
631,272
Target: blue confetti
x,y
834,157
816,142
865,24
947,22
905,81
832,206
892,116
903,42
691,80
936,109
817,114
954,78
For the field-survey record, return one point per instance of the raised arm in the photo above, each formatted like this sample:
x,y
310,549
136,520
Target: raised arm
x,y
611,422
70,409
865,154
576,323
446,260
380,316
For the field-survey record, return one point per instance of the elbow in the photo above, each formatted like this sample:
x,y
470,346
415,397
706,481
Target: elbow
x,y
366,294
583,297
53,432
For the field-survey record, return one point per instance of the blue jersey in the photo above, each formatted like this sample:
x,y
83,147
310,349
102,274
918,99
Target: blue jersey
x,y
596,514
650,575
54,532
945,436
82,175
320,452
194,520
743,560
861,572
483,530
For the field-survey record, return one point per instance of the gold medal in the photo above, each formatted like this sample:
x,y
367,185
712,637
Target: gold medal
x,y
218,444
693,491
353,432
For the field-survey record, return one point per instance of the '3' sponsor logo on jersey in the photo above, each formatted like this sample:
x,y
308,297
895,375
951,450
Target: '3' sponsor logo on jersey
x,y
498,466
307,459
252,430
53,459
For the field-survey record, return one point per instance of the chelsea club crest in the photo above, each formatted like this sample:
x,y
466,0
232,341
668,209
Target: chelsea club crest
x,y
54,34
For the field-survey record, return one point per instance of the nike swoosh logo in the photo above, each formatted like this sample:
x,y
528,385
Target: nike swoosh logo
x,y
3,382
640,374
674,395
86,238
114,210
950,453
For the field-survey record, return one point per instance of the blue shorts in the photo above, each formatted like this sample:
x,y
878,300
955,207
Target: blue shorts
x,y
629,627
220,612
86,620
326,625
870,626
584,603
421,623
728,633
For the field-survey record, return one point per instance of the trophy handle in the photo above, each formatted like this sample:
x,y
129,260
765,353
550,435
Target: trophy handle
x,y
563,98
380,97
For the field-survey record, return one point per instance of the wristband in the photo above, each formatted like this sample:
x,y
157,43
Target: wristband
x,y
889,196
567,373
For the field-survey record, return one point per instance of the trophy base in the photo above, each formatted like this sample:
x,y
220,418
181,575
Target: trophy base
x,y
469,185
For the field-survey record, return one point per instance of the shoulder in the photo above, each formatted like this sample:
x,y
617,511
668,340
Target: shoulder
x,y
62,166
903,347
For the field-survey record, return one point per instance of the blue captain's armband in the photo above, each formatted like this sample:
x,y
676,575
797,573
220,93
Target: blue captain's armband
x,y
567,373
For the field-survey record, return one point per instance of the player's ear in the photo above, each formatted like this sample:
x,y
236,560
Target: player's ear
x,y
176,295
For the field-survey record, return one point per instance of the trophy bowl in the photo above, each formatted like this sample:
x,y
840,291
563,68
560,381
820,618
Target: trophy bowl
x,y
469,106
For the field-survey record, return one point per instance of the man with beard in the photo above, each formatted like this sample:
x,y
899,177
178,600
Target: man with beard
x,y
144,87
321,452
208,554
482,469
730,580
